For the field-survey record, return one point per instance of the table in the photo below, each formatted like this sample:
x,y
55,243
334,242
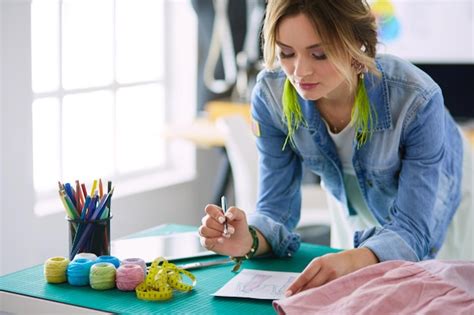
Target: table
x,y
30,282
203,131
469,132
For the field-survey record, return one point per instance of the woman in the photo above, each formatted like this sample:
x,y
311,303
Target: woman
x,y
373,127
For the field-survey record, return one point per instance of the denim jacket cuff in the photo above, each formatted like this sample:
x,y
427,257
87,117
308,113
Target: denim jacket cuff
x,y
281,240
385,244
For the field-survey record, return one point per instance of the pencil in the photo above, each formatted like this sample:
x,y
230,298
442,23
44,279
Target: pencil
x,y
78,197
85,207
71,205
103,204
101,190
94,186
70,210
92,207
84,190
70,193
109,188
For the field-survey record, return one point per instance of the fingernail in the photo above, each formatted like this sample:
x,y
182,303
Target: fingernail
x,y
229,215
288,293
231,229
221,220
220,240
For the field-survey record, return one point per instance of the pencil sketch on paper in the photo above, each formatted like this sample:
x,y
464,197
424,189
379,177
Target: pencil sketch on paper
x,y
258,284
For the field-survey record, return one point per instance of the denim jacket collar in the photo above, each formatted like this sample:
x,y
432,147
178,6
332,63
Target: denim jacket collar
x,y
377,90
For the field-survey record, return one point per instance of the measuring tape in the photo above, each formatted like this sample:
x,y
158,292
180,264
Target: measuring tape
x,y
162,278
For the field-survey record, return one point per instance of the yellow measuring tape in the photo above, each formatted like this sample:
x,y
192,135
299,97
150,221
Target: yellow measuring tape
x,y
162,278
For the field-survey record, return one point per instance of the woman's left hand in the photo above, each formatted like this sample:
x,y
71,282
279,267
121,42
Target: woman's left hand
x,y
326,268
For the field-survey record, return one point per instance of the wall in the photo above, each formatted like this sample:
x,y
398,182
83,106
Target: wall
x,y
25,238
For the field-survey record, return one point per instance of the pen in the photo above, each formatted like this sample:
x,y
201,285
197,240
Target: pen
x,y
202,264
224,208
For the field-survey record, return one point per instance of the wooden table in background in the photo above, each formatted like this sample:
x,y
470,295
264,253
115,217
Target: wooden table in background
x,y
469,132
204,133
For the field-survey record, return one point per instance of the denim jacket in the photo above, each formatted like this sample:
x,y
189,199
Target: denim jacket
x,y
409,171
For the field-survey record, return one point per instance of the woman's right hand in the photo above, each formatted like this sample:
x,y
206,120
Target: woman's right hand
x,y
238,240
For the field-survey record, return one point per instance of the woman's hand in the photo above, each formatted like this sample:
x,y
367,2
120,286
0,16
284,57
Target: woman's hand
x,y
238,240
326,268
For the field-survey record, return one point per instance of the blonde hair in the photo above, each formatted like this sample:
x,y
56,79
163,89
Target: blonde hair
x,y
347,29
348,33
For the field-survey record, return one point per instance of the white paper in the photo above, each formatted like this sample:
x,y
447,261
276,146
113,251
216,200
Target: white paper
x,y
258,284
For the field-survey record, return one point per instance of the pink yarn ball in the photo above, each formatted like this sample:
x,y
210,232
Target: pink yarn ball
x,y
129,276
135,261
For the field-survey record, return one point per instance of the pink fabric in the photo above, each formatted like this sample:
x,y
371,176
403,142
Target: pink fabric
x,y
392,287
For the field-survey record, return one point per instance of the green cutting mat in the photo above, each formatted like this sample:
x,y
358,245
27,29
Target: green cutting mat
x,y
31,282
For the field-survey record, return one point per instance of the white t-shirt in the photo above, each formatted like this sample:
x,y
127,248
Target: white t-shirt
x,y
343,225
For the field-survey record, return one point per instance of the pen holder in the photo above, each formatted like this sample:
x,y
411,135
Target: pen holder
x,y
89,236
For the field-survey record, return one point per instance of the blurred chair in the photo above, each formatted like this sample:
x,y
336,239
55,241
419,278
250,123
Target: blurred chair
x,y
243,157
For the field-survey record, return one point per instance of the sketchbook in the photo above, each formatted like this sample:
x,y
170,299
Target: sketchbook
x,y
258,284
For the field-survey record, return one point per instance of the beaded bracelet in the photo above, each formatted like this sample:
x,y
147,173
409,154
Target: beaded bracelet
x,y
251,252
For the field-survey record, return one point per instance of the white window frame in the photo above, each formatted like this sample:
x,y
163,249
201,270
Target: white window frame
x,y
180,70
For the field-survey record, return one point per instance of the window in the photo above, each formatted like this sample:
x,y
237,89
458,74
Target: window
x,y
102,91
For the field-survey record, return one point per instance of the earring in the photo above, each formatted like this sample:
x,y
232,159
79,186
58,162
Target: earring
x,y
359,67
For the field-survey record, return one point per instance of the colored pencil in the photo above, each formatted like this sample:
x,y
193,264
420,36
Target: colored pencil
x,y
78,197
94,186
84,189
101,190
